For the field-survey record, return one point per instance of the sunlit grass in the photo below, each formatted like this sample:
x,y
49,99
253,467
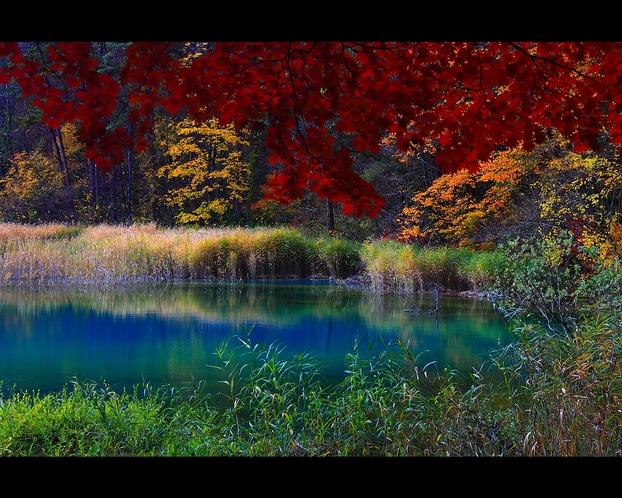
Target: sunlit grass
x,y
395,267
139,253
145,253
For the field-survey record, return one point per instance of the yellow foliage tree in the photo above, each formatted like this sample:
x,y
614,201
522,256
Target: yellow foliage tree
x,y
558,190
207,177
581,193
33,190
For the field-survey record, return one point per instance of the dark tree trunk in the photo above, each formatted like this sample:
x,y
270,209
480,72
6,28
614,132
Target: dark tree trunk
x,y
61,157
113,195
93,184
330,216
6,143
129,213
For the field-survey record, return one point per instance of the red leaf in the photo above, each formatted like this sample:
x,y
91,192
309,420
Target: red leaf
x,y
359,143
469,96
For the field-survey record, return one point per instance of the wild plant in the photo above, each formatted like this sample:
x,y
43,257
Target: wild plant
x,y
478,270
334,257
269,397
396,267
390,267
570,397
556,280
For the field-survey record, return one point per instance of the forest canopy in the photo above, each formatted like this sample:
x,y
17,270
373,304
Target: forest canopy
x,y
459,143
470,97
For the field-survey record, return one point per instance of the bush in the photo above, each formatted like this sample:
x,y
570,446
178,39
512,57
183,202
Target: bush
x,y
556,279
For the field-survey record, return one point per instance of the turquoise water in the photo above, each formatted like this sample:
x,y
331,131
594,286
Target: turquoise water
x,y
168,333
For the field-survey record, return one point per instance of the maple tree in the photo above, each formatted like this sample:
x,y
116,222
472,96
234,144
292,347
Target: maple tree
x,y
469,96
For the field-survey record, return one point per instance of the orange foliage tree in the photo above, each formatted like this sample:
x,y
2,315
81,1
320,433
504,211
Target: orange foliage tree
x,y
457,204
547,191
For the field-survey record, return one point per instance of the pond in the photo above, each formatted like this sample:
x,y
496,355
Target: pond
x,y
168,333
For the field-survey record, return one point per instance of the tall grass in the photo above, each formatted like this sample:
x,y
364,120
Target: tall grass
x,y
254,253
395,267
146,253
137,253
335,257
570,399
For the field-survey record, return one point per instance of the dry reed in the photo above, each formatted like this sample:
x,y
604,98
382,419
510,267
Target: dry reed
x,y
139,253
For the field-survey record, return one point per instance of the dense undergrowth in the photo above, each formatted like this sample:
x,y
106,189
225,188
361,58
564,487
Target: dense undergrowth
x,y
560,392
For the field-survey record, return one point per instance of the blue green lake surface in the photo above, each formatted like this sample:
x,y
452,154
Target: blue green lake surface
x,y
168,333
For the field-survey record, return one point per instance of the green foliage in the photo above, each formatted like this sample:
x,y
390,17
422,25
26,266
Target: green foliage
x,y
92,420
539,275
336,257
601,287
274,396
443,266
480,268
555,278
569,401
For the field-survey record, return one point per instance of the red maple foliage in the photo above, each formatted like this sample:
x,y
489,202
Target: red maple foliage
x,y
470,96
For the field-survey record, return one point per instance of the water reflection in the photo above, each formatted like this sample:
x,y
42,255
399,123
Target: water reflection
x,y
169,332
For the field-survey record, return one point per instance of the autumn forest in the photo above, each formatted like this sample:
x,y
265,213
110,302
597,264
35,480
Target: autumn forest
x,y
490,169
434,143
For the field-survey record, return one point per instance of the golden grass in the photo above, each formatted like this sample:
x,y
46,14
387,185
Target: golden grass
x,y
396,267
138,253
147,253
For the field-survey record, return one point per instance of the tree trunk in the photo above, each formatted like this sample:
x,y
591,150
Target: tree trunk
x,y
93,184
5,134
61,157
330,216
211,164
129,213
113,195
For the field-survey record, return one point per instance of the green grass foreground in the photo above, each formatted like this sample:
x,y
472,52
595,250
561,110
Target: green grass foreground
x,y
557,398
